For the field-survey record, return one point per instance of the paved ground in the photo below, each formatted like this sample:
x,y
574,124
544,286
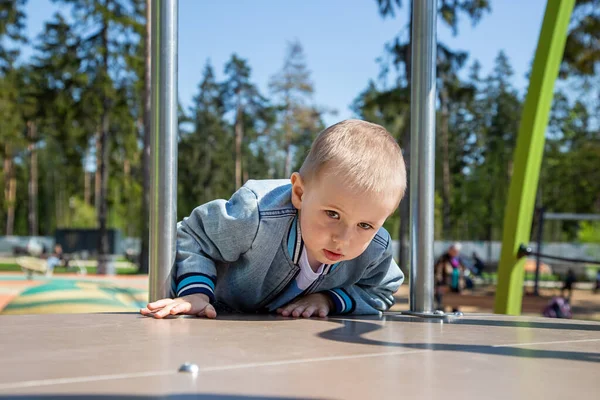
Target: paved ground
x,y
247,357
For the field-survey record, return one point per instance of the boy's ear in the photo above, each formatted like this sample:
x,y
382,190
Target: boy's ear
x,y
297,190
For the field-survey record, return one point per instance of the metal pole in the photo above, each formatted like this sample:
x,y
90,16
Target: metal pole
x,y
540,237
163,195
572,217
422,166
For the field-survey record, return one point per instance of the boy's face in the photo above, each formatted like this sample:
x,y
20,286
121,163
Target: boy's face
x,y
337,223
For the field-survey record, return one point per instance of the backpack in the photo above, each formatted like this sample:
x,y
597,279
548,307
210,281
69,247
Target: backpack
x,y
558,307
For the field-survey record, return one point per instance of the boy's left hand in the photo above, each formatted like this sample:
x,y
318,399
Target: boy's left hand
x,y
316,304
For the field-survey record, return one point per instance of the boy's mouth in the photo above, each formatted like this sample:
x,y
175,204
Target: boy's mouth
x,y
332,256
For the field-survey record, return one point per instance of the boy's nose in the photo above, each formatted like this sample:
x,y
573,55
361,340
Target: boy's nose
x,y
342,236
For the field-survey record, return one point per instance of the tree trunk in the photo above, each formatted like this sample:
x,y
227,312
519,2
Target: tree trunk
x,y
210,148
103,248
145,236
12,197
97,180
287,171
57,199
6,167
404,236
239,136
33,180
127,192
10,190
288,160
446,178
86,188
490,217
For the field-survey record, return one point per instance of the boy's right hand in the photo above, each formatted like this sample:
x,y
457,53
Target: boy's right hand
x,y
193,304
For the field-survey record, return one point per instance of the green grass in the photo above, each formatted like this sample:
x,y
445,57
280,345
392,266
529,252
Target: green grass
x,y
12,267
9,268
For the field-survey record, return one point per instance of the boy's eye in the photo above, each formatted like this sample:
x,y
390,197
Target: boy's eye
x,y
365,226
332,214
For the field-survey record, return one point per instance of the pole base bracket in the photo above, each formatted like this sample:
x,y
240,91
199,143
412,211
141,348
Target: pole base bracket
x,y
438,314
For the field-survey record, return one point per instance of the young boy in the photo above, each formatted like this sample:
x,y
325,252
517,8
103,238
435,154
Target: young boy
x,y
309,246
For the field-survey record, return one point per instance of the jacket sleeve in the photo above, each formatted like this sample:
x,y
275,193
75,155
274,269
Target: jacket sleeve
x,y
374,292
216,232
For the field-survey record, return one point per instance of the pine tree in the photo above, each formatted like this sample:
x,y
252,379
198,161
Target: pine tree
x,y
298,120
250,108
205,164
108,30
400,51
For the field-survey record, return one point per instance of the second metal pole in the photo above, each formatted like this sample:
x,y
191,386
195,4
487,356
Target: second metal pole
x,y
422,166
163,195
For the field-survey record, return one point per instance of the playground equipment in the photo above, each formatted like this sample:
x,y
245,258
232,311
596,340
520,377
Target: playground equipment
x,y
252,356
543,216
528,155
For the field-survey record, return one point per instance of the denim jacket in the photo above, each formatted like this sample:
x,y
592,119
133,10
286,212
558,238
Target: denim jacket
x,y
243,253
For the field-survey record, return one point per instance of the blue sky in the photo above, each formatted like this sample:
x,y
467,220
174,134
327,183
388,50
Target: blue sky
x,y
341,38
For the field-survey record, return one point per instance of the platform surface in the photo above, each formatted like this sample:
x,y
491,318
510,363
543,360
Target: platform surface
x,y
127,356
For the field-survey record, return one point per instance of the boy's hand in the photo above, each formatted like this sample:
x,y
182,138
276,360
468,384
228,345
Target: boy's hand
x,y
194,304
316,304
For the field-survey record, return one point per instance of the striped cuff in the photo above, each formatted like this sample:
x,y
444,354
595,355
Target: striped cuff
x,y
193,283
344,304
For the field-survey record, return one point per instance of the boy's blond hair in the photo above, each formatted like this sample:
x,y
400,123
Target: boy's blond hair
x,y
361,154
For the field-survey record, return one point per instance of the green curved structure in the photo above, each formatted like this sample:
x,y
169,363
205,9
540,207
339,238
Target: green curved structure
x,y
528,154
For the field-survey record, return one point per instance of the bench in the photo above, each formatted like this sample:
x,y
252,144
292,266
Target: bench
x,y
34,265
